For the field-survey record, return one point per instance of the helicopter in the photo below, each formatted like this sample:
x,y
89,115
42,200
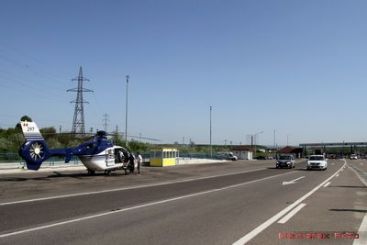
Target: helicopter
x,y
97,154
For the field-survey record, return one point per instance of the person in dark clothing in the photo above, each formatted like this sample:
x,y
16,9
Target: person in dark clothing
x,y
132,163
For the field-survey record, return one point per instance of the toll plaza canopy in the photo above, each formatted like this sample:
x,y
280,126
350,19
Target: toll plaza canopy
x,y
333,144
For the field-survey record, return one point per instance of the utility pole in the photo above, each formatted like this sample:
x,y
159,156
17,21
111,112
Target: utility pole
x,y
78,119
275,149
117,132
105,122
253,138
127,101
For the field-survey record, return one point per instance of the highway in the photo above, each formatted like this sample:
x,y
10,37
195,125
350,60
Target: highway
x,y
226,203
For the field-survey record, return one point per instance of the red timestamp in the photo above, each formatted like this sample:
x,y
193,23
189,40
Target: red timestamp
x,y
346,235
318,235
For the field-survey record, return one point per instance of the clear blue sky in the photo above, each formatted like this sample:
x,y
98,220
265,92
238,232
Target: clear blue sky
x,y
297,67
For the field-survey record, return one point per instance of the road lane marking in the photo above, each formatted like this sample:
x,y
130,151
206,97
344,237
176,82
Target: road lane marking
x,y
327,184
125,188
291,214
292,181
37,228
358,175
249,236
362,231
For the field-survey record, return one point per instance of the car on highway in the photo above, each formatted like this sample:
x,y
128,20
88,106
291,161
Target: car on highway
x,y
317,162
285,161
227,156
353,157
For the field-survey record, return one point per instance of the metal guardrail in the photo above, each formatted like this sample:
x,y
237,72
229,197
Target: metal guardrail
x,y
200,156
9,157
13,160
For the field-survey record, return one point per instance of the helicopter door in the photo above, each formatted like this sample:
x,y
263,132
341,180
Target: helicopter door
x,y
119,156
110,158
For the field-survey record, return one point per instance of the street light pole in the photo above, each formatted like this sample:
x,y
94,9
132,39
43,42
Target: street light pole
x,y
211,148
255,135
127,101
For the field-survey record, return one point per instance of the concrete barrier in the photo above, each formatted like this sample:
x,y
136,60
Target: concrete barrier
x,y
181,161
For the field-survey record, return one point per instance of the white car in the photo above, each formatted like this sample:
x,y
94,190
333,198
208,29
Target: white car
x,y
317,162
353,157
227,156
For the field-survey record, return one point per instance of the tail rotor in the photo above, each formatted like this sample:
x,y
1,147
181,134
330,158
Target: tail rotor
x,y
34,151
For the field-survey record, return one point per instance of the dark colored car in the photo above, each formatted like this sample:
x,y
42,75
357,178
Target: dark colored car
x,y
285,161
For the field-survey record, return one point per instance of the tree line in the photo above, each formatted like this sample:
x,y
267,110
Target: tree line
x,y
12,138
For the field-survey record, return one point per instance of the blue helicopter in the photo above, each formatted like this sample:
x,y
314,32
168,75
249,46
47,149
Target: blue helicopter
x,y
97,154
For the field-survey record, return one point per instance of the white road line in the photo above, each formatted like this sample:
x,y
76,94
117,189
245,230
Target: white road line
x,y
291,214
362,231
249,236
137,207
327,184
124,188
359,177
292,181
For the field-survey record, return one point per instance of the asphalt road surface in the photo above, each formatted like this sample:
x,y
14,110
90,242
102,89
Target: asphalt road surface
x,y
226,203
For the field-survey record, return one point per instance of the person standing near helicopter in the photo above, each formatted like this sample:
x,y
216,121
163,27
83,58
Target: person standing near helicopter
x,y
139,160
132,163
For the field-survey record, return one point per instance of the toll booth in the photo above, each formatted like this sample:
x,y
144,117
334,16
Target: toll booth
x,y
164,157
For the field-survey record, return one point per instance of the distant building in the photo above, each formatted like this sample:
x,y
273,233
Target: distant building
x,y
243,152
297,151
